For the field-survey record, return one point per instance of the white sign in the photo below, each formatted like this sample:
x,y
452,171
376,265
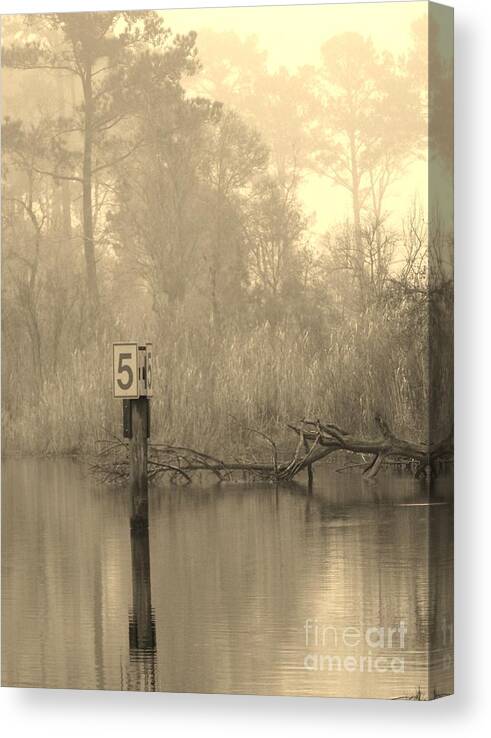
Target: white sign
x,y
125,371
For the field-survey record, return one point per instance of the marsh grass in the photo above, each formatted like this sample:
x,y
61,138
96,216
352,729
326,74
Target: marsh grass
x,y
206,388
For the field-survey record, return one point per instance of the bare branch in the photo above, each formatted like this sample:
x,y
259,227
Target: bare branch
x,y
316,441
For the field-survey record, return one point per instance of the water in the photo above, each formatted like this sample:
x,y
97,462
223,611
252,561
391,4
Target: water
x,y
237,588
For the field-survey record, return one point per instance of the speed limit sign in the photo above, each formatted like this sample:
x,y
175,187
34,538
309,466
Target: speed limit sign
x,y
125,371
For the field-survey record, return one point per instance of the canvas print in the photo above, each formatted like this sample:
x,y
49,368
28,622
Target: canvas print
x,y
227,404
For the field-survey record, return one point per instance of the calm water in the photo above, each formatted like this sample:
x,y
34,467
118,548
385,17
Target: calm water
x,y
233,589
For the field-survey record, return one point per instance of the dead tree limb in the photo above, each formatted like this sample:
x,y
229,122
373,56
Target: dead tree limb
x,y
316,441
387,446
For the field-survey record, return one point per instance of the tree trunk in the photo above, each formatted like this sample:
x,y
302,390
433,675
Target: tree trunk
x,y
89,248
355,193
215,266
65,184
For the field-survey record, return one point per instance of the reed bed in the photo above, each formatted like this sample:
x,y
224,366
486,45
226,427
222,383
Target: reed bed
x,y
209,389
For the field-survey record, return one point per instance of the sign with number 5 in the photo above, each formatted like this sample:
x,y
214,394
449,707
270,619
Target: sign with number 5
x,y
125,370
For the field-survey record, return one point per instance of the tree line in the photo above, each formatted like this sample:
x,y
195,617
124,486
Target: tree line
x,y
152,186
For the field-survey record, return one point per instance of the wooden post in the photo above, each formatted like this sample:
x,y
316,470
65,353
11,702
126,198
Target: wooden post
x,y
138,458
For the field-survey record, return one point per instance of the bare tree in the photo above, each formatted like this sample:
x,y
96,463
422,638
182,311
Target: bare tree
x,y
355,92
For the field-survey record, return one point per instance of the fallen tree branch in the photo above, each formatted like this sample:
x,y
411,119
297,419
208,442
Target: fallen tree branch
x,y
316,441
386,447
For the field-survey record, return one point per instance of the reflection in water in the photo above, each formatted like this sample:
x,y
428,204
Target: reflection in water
x,y
236,573
141,621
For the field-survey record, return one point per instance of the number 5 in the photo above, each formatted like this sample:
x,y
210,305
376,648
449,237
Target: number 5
x,y
122,368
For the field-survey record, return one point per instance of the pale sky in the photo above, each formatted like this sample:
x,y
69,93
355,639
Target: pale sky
x,y
293,36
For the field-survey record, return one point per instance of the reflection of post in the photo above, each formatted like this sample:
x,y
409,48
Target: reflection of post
x,y
142,625
138,457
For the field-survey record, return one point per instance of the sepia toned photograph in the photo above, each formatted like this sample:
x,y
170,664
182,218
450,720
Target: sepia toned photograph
x,y
227,350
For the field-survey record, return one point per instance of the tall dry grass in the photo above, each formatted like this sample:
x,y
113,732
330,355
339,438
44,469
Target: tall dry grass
x,y
208,389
